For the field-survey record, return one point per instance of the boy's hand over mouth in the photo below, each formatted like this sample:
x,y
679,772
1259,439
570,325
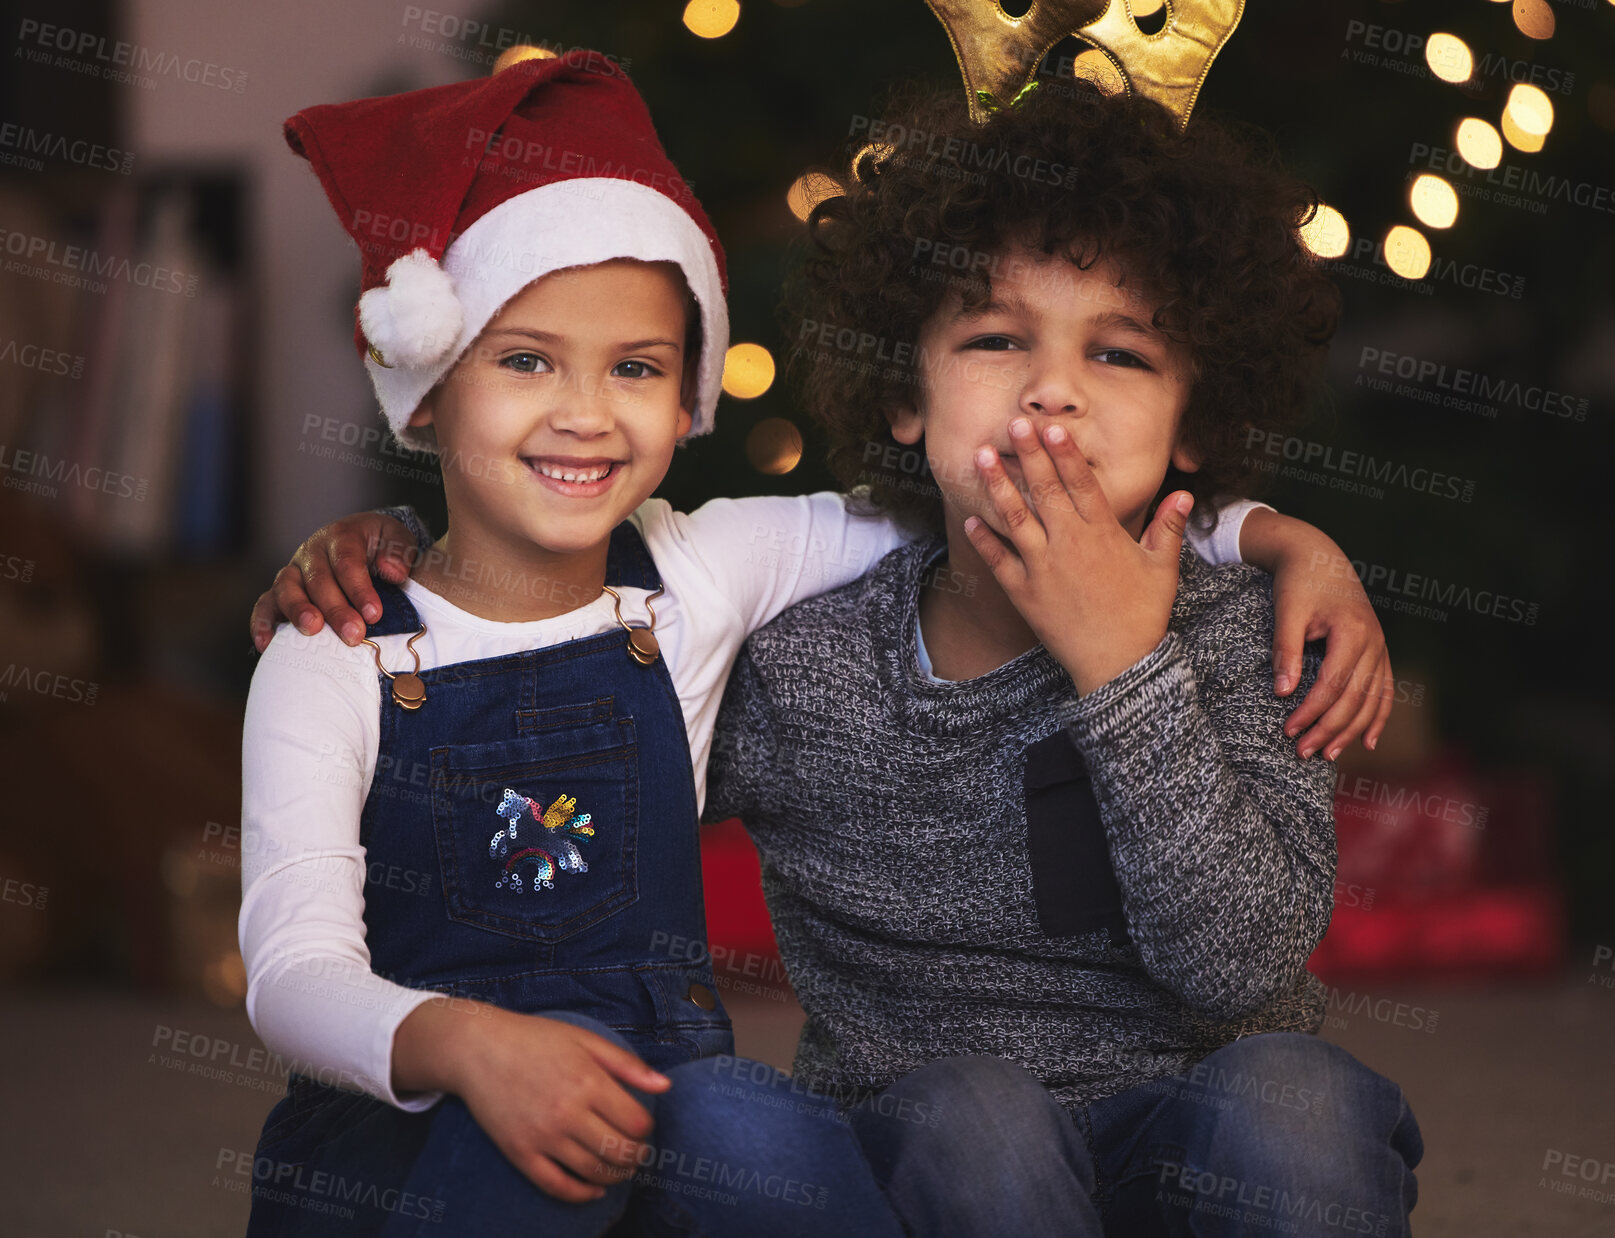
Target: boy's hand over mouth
x,y
1098,600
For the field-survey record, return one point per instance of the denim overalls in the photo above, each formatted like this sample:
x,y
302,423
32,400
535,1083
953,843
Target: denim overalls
x,y
531,835
550,794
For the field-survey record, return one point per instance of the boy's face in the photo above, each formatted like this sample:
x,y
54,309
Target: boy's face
x,y
1053,344
562,416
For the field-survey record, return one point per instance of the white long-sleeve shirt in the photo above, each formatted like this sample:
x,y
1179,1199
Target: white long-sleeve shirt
x,y
312,735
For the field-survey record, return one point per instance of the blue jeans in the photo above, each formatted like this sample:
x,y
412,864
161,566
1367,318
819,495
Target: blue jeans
x,y
743,1152
736,1152
1279,1133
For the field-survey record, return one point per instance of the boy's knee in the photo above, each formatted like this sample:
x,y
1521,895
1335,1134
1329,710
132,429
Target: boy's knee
x,y
727,1093
1290,1069
968,1119
1298,1047
1292,1098
964,1097
976,1079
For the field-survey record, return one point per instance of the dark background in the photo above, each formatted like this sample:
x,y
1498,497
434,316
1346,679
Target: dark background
x,y
123,620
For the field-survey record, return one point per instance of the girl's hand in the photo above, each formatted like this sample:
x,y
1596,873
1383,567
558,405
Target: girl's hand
x,y
549,1094
1317,596
1098,600
330,573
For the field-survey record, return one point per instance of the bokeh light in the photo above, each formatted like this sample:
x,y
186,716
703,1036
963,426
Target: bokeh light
x,y
748,371
1326,234
711,19
774,446
1530,109
1407,252
1434,201
1601,104
1530,143
1479,143
1449,58
224,980
519,53
1096,67
1534,18
808,190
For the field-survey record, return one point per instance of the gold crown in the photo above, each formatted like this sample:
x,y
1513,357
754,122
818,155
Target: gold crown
x,y
999,54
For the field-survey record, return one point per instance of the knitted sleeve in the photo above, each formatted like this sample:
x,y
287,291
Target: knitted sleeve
x,y
413,522
744,754
1221,837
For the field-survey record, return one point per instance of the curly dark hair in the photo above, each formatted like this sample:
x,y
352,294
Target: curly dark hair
x,y
1203,221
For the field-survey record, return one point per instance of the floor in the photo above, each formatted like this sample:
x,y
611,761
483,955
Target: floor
x,y
128,1116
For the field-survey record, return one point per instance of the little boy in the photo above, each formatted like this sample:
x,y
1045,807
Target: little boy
x,y
1336,716
1036,850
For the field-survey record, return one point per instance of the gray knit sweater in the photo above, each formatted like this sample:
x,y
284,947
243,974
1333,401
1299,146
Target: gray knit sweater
x,y
1104,888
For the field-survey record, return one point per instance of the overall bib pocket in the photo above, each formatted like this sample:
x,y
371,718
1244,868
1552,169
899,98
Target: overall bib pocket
x,y
538,837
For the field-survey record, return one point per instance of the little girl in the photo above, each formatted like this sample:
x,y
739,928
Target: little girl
x,y
469,834
472,830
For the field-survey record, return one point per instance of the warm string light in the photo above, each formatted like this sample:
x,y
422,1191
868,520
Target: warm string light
x,y
1407,252
774,446
1527,143
1479,143
748,371
1449,58
812,188
1096,67
1326,234
1525,122
1530,111
1601,104
1434,201
711,19
519,53
1534,18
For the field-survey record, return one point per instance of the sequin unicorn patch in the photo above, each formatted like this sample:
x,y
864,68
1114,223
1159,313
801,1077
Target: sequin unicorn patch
x,y
555,849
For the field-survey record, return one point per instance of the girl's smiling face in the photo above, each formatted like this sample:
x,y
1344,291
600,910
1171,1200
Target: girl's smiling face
x,y
561,417
1054,344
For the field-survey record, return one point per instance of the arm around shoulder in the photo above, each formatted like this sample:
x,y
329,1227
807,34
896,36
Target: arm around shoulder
x,y
1225,542
766,553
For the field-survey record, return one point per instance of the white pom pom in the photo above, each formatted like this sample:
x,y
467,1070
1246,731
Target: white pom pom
x,y
414,319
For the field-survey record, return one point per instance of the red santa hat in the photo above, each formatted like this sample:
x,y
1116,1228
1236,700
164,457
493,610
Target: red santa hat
x,y
460,196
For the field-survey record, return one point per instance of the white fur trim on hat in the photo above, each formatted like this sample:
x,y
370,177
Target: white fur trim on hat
x,y
414,319
569,223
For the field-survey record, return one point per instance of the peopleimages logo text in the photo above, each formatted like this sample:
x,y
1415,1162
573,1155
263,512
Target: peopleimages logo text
x,y
78,258
1529,396
87,45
